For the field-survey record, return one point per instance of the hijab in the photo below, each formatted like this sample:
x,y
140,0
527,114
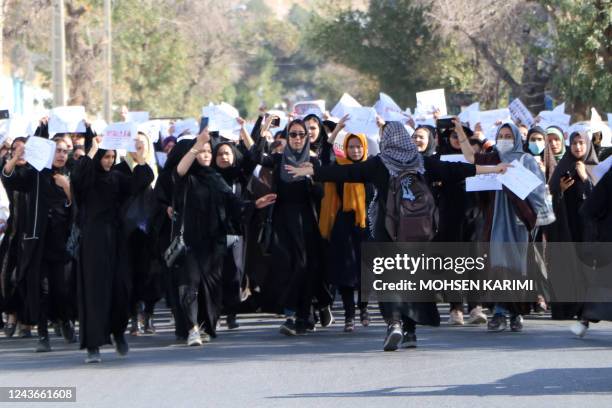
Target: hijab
x,y
397,150
568,162
430,150
517,149
149,158
317,144
556,131
293,157
548,158
232,173
353,194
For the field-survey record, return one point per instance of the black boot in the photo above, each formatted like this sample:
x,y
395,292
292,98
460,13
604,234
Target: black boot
x,y
121,345
231,322
43,345
67,329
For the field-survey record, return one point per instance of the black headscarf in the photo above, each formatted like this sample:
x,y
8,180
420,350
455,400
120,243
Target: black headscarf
x,y
430,150
445,145
317,144
232,173
568,162
102,175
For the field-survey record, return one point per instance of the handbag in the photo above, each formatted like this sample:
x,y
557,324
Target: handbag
x,y
177,247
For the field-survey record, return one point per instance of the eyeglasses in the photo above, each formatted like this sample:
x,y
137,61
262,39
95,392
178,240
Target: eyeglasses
x,y
301,135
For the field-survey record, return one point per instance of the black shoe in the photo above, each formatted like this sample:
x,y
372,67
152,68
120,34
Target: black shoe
x,y
149,328
9,329
327,318
57,329
288,328
68,333
231,322
497,324
43,345
516,323
394,337
93,356
301,327
409,340
364,316
121,345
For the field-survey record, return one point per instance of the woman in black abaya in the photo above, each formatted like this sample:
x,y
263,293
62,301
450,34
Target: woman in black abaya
x,y
206,208
104,283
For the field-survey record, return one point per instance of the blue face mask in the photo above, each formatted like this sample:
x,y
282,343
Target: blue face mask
x,y
537,148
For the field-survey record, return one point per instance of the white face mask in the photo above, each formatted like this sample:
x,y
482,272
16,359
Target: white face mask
x,y
504,145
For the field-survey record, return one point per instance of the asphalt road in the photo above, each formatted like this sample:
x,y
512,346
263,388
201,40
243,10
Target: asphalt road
x,y
254,366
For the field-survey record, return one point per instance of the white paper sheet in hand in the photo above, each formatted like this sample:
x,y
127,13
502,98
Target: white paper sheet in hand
x,y
120,136
362,120
67,119
221,118
602,168
520,113
161,158
610,120
39,152
389,110
343,106
483,182
520,180
430,101
455,158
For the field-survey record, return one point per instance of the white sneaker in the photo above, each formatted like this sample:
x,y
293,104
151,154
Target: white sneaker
x,y
194,337
579,329
477,316
456,318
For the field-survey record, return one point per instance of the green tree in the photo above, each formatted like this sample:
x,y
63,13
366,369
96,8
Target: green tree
x,y
584,48
393,42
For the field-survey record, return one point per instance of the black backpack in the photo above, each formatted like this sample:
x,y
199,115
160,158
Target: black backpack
x,y
412,214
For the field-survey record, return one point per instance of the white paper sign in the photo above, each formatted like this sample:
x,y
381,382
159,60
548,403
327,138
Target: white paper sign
x,y
430,101
602,168
455,158
161,158
610,120
151,129
556,117
4,128
305,108
520,180
120,136
67,119
189,125
389,110
39,152
487,119
465,114
520,113
20,126
343,105
221,118
483,182
339,144
362,120
137,117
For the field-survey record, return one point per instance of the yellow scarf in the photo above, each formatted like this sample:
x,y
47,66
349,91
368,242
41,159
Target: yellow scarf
x,y
354,197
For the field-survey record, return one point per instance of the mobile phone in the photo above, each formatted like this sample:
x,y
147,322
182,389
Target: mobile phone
x,y
203,123
4,114
275,122
445,123
568,174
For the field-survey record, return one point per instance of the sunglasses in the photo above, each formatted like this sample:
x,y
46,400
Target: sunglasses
x,y
301,135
